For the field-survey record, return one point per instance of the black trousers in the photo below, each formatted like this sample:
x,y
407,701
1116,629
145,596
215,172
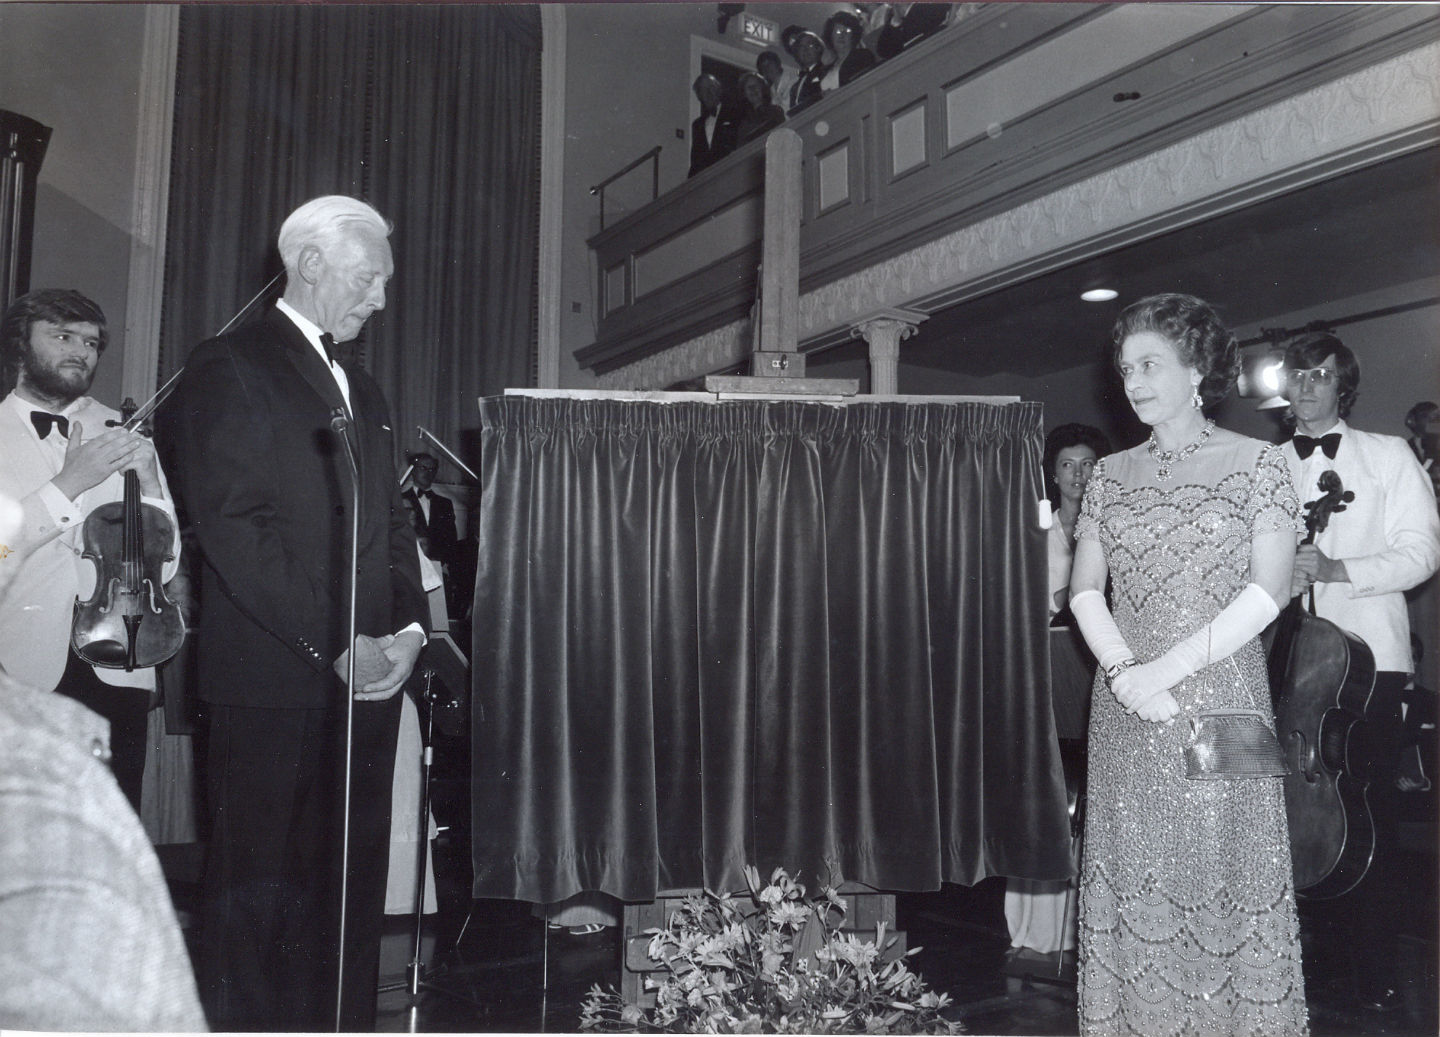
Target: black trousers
x,y
126,709
269,946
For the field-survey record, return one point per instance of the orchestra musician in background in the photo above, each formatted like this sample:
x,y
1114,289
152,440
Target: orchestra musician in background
x,y
1423,423
1386,541
262,471
62,456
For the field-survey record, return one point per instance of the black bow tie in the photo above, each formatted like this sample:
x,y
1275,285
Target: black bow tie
x,y
1305,445
327,343
43,420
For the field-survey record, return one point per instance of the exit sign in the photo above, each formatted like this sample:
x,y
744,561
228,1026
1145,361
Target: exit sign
x,y
759,31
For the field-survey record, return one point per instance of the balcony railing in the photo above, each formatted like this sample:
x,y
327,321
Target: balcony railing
x,y
1012,103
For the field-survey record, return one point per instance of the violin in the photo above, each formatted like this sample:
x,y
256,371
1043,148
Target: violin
x,y
1322,679
128,623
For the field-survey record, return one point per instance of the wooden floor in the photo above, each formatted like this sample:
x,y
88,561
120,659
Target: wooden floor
x,y
491,966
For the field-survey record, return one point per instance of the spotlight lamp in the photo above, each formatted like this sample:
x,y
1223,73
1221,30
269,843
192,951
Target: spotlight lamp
x,y
1262,376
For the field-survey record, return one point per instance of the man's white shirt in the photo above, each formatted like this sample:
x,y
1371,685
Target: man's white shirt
x,y
1388,537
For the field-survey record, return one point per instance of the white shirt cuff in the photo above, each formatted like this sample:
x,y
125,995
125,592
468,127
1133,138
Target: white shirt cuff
x,y
62,509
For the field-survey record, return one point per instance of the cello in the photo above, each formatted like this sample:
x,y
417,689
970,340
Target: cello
x,y
1322,679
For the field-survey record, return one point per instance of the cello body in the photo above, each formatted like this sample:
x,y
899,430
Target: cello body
x,y
1323,679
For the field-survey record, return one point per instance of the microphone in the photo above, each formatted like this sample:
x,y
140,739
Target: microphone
x,y
338,421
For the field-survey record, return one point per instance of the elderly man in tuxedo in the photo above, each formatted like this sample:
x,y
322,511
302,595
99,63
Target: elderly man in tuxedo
x,y
261,418
712,133
60,458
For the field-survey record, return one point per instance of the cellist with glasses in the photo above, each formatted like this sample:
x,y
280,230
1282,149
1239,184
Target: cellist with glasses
x,y
1385,542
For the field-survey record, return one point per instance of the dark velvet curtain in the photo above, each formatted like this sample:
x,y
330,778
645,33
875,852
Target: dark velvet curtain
x,y
750,632
430,113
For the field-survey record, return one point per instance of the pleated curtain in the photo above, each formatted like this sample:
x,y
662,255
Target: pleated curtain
x,y
778,633
429,112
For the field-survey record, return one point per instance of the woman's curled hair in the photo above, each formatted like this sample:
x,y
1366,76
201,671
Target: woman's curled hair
x,y
1194,329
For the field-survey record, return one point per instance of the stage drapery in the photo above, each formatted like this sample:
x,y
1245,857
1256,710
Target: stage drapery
x,y
712,634
429,112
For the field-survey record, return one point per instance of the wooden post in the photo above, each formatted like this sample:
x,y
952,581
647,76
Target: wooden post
x,y
780,263
777,367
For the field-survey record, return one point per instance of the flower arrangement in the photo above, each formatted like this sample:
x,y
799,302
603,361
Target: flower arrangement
x,y
771,961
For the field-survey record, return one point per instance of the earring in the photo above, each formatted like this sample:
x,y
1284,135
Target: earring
x,y
1195,400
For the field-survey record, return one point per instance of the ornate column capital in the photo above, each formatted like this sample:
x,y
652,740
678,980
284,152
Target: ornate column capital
x,y
884,329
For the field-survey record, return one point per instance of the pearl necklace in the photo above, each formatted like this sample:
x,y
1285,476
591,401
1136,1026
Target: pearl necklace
x,y
1167,459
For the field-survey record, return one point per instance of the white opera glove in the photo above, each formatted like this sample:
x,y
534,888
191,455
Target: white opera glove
x,y
1159,708
1238,622
1093,617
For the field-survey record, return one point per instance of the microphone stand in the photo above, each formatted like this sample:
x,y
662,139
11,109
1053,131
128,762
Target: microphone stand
x,y
422,852
417,973
340,424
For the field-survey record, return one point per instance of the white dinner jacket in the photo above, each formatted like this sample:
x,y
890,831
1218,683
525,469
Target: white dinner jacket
x,y
37,609
1388,537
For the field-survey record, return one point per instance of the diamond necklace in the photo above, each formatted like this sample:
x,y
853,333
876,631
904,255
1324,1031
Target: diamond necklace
x,y
1167,459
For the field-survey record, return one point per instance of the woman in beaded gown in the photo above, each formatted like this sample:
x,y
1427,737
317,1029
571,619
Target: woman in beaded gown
x,y
1187,911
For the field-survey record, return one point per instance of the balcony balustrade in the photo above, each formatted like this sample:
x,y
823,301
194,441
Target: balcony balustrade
x,y
1012,103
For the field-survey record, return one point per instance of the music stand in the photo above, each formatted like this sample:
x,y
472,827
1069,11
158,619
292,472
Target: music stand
x,y
441,663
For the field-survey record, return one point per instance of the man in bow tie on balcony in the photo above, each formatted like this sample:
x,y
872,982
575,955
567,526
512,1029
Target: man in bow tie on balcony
x,y
61,459
712,132
1386,541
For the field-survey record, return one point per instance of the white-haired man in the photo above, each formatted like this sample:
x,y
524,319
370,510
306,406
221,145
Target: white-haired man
x,y
263,476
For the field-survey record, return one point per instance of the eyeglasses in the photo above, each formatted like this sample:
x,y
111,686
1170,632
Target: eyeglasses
x,y
1318,376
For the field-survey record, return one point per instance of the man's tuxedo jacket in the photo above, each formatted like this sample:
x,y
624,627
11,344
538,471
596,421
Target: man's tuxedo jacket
x,y
439,531
705,153
263,479
1388,537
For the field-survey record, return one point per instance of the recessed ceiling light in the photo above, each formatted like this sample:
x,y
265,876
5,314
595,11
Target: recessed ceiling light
x,y
1099,295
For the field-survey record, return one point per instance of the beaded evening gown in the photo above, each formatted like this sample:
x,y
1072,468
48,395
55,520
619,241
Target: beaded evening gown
x,y
1187,912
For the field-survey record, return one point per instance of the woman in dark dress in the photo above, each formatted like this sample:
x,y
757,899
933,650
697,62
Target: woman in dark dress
x,y
759,115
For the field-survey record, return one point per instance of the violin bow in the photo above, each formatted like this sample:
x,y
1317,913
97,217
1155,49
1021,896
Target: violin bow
x,y
150,406
425,433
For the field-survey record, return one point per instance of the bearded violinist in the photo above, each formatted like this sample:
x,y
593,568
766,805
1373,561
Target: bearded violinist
x,y
61,460
1386,541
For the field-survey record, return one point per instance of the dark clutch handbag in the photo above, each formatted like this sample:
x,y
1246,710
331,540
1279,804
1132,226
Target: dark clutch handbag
x,y
1233,743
